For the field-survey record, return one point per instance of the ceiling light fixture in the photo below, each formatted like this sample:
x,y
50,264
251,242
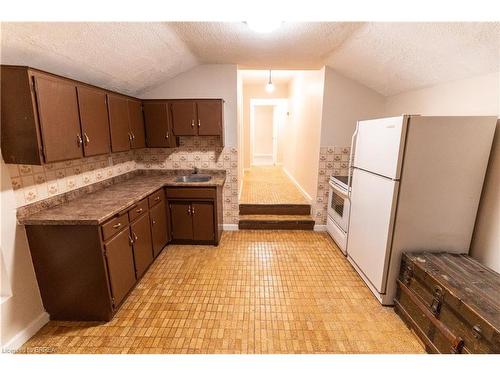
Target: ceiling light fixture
x,y
263,25
270,86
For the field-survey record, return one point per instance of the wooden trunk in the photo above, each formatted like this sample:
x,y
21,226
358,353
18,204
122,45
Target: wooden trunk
x,y
451,302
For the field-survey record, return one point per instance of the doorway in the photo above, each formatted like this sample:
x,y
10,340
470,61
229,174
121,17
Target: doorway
x,y
267,118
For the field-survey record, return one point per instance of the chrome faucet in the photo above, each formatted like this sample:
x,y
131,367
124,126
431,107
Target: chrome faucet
x,y
195,170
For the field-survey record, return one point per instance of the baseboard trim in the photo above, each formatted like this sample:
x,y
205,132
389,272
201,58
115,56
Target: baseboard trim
x,y
18,340
320,228
230,227
289,175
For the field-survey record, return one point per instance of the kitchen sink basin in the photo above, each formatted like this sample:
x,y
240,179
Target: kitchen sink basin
x,y
194,178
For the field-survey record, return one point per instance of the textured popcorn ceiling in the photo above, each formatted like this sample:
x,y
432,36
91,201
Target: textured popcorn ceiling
x,y
133,57
126,57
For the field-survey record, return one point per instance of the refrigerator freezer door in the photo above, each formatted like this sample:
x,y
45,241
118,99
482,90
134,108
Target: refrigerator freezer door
x,y
373,204
380,145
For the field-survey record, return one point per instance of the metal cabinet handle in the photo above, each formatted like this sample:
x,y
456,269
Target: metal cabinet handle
x,y
189,210
139,210
135,236
129,136
87,139
133,135
166,136
153,222
192,210
476,331
157,198
130,240
199,123
116,226
192,123
79,140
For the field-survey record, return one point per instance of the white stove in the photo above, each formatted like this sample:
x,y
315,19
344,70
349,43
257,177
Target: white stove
x,y
337,221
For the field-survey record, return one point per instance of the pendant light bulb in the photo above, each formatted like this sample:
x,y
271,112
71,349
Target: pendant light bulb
x,y
270,86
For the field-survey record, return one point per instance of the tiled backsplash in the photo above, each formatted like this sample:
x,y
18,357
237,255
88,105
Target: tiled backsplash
x,y
204,153
35,183
333,160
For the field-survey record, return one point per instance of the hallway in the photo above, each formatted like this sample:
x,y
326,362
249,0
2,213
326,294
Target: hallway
x,y
269,185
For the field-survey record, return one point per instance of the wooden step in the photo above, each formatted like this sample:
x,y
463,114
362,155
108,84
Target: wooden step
x,y
300,222
274,209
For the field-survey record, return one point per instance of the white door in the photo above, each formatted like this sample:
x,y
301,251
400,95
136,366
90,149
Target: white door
x,y
373,203
380,145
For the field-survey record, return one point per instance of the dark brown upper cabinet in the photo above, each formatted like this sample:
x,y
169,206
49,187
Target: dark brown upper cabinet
x,y
59,120
158,124
119,123
209,116
94,120
137,135
184,117
197,116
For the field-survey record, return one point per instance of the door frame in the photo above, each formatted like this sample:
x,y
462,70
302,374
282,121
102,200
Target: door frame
x,y
276,103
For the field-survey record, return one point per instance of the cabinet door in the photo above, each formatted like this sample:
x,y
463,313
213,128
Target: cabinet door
x,y
209,121
119,123
59,121
158,127
120,264
143,250
203,221
159,232
181,221
94,121
136,124
183,114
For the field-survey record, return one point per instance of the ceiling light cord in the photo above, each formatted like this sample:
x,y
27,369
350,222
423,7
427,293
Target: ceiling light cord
x,y
270,86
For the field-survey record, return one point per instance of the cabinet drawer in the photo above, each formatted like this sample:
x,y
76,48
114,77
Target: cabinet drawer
x,y
138,209
156,197
191,193
114,225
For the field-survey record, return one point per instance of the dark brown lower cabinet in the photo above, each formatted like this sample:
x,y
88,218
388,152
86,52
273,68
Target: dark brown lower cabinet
x,y
203,221
159,227
85,272
182,223
120,263
141,238
195,214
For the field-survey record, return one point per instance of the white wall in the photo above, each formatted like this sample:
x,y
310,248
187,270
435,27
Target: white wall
x,y
206,81
344,103
263,130
256,91
303,131
22,312
474,96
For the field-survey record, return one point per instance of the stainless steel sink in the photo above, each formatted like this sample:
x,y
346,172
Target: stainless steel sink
x,y
194,178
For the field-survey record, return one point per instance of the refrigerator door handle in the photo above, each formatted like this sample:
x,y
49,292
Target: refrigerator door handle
x,y
351,157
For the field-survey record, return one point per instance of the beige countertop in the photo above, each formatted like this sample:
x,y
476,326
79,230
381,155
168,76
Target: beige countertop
x,y
97,207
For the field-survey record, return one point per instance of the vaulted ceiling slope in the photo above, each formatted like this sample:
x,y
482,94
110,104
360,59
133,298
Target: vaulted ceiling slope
x,y
133,57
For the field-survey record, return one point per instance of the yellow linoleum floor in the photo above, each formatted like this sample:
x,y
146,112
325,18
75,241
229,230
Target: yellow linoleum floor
x,y
269,185
257,292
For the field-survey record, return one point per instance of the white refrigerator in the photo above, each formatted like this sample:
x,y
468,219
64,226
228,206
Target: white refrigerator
x,y
416,184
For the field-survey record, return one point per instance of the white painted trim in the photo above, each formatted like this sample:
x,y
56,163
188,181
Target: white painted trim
x,y
277,103
18,340
307,196
230,227
319,227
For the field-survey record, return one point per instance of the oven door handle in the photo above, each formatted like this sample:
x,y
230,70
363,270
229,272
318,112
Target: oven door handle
x,y
338,189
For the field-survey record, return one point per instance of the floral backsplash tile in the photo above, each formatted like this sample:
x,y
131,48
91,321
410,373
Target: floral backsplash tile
x,y
33,183
333,160
204,153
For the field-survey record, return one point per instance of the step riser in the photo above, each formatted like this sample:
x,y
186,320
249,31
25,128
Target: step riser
x,y
278,209
282,225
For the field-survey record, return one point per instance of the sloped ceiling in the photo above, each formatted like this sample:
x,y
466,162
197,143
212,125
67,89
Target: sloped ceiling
x,y
134,57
